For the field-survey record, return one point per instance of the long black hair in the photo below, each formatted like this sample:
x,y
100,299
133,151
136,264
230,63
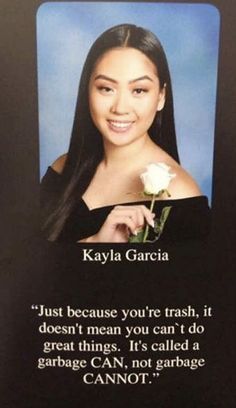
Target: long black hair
x,y
86,147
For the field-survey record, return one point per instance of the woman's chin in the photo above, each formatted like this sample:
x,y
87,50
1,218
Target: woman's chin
x,y
119,140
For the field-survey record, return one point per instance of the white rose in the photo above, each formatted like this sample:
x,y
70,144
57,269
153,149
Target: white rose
x,y
156,178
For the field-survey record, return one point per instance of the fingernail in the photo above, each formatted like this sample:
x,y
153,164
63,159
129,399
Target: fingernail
x,y
151,222
135,232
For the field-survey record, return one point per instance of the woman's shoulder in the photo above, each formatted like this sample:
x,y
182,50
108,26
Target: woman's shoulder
x,y
52,180
52,185
59,164
183,184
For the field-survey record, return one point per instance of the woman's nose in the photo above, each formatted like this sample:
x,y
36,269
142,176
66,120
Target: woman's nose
x,y
120,104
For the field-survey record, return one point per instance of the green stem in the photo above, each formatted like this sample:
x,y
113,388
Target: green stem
x,y
147,226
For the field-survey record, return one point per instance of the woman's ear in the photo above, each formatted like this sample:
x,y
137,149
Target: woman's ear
x,y
162,98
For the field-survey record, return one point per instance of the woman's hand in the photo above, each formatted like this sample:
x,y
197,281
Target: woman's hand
x,y
121,222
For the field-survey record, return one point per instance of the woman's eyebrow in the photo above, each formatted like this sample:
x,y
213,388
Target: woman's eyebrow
x,y
141,79
106,78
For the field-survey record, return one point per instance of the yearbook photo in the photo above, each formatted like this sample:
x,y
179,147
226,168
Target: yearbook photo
x,y
117,204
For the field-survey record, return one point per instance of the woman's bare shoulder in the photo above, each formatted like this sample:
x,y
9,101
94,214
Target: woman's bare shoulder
x,y
59,163
183,185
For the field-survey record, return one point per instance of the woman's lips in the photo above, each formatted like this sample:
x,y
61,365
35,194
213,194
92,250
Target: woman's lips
x,y
119,126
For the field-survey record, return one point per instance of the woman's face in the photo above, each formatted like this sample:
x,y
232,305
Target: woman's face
x,y
124,95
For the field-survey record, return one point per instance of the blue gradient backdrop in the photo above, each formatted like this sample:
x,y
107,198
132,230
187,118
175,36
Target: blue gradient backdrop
x,y
190,36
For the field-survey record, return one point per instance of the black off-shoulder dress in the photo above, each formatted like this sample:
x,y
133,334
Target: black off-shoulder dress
x,y
189,218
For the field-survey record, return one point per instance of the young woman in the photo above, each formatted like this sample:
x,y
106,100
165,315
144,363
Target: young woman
x,y
123,121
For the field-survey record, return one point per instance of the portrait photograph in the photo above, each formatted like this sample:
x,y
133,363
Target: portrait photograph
x,y
117,256
162,140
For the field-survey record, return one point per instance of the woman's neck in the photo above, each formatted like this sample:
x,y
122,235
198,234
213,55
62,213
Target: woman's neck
x,y
126,156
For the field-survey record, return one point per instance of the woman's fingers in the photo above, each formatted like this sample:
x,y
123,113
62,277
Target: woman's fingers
x,y
133,216
122,221
149,216
115,219
140,213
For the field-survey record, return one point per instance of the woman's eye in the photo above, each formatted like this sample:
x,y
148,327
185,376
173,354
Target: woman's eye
x,y
139,91
105,89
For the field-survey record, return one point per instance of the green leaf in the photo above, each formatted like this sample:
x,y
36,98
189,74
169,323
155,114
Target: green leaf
x,y
159,223
145,194
138,237
165,213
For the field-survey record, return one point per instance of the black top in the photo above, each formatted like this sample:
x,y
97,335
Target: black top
x,y
189,218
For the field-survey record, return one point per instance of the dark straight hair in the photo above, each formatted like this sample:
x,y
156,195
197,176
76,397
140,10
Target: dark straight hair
x,y
86,146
